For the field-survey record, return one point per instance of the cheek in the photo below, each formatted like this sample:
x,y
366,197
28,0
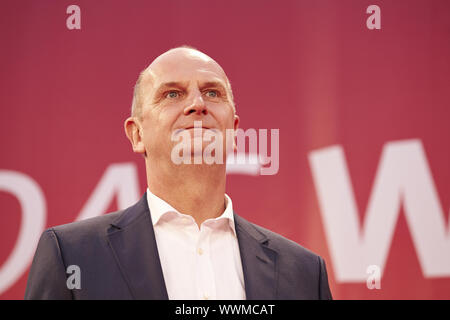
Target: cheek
x,y
159,126
168,115
160,118
224,114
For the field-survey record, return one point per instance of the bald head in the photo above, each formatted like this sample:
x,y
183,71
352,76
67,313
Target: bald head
x,y
182,60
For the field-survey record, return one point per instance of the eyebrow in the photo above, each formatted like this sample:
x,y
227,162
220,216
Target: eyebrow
x,y
173,84
214,84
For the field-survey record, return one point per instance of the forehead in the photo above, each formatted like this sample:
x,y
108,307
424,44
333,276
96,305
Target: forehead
x,y
182,65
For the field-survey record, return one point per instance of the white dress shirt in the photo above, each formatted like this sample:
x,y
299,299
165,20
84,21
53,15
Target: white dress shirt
x,y
197,263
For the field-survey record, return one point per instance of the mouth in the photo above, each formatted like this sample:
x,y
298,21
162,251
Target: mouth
x,y
202,127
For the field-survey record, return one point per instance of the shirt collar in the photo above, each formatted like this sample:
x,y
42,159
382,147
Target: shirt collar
x,y
158,208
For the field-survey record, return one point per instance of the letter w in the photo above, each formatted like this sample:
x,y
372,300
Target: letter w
x,y
403,177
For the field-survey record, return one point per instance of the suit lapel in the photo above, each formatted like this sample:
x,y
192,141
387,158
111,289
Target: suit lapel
x,y
132,240
258,261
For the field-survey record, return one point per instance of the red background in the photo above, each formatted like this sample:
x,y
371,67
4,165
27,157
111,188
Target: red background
x,y
310,68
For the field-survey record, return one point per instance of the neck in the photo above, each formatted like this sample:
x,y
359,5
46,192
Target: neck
x,y
196,190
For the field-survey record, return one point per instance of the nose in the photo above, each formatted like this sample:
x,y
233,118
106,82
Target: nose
x,y
197,105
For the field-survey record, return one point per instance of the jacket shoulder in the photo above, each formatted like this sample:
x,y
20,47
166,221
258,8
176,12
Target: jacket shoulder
x,y
88,227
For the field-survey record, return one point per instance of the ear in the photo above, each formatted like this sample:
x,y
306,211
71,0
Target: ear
x,y
236,126
134,133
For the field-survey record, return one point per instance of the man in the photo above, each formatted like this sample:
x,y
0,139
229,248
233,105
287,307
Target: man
x,y
182,240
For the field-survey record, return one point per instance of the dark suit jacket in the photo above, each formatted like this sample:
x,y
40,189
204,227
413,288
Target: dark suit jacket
x,y
118,259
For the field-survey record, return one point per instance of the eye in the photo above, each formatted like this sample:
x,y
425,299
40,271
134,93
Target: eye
x,y
172,94
211,93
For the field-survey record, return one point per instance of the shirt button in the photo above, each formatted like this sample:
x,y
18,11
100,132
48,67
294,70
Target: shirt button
x,y
200,251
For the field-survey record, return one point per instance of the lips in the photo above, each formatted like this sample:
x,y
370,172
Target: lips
x,y
202,127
